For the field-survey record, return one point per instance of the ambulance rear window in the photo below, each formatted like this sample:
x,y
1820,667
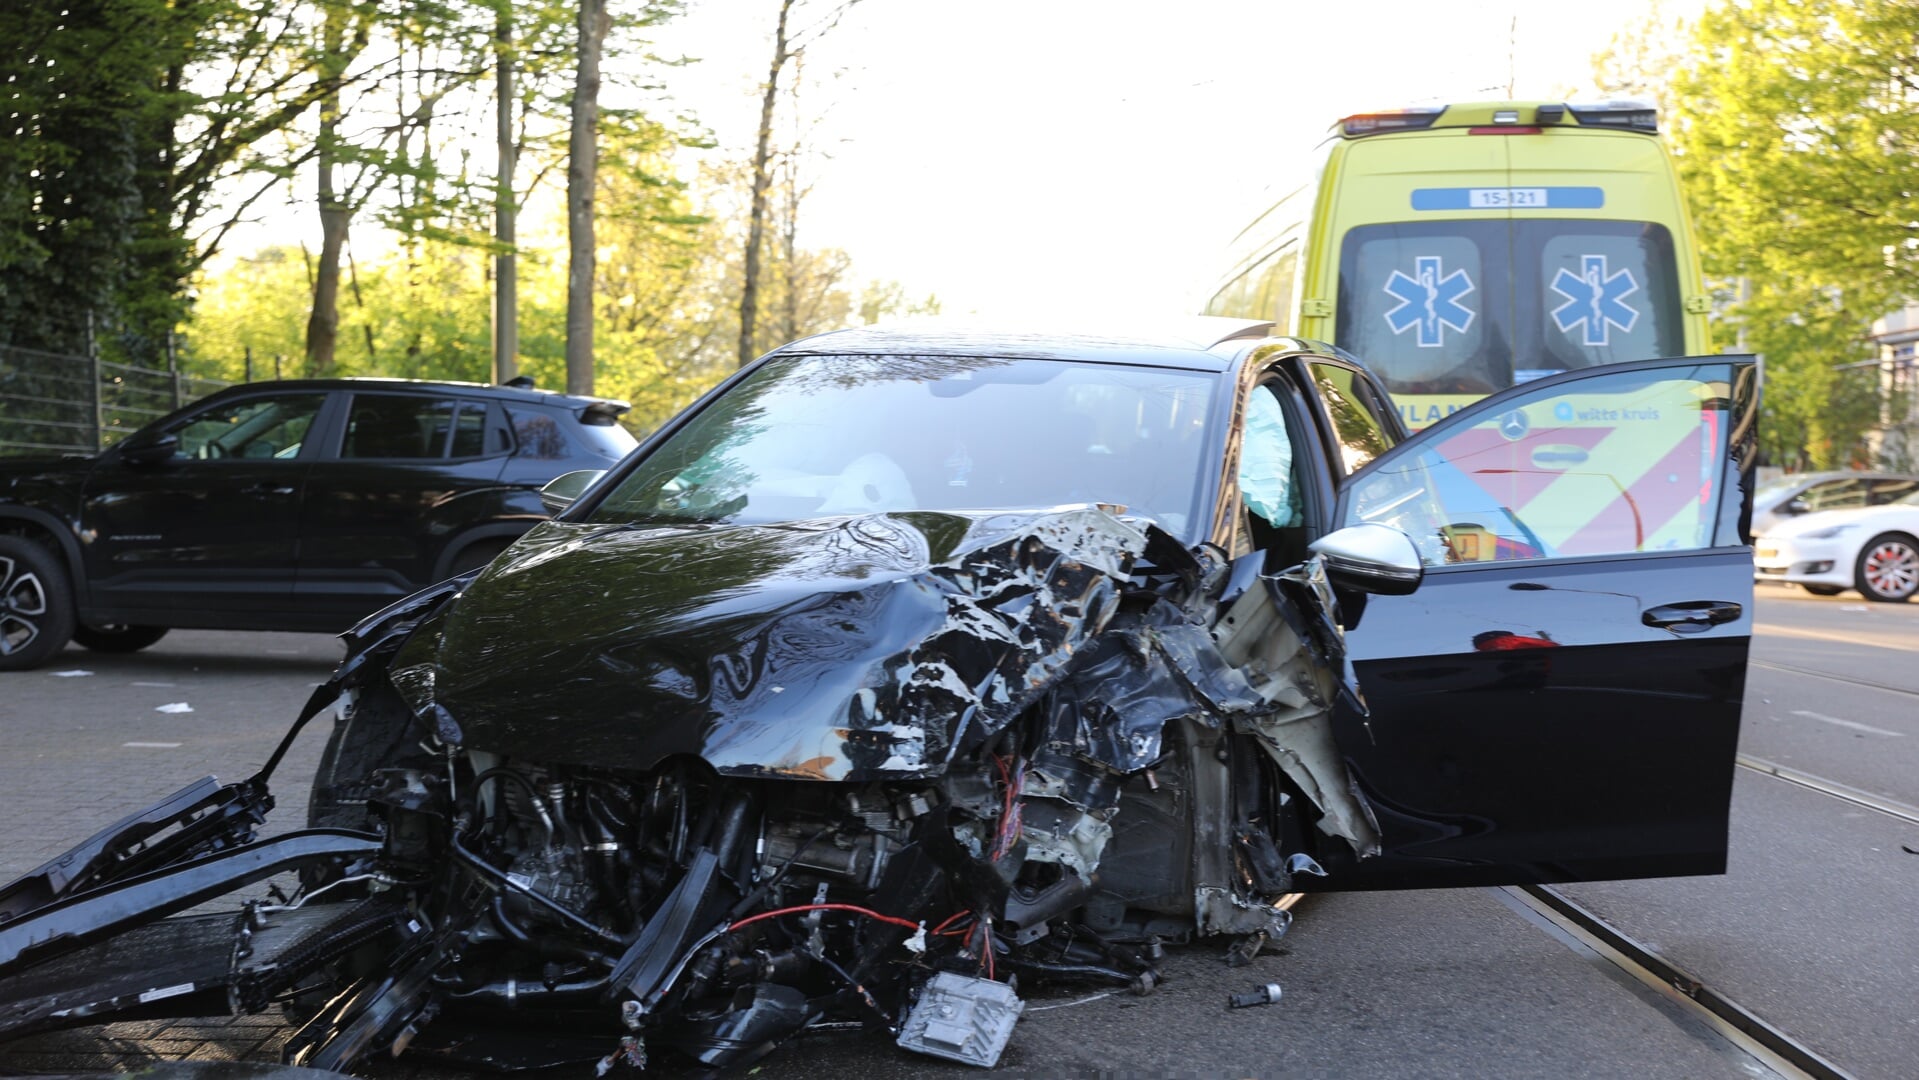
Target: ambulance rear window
x,y
1471,307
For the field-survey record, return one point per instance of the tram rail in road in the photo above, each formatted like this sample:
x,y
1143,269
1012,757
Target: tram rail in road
x,y
1766,1042
1817,674
1834,788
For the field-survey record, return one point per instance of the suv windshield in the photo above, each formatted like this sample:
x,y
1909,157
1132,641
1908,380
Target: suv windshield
x,y
1472,307
825,435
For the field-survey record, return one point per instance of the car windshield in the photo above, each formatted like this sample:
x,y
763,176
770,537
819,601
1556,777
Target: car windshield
x,y
1774,488
817,436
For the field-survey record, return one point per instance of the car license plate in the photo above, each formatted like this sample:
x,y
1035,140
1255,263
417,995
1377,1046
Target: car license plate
x,y
1766,553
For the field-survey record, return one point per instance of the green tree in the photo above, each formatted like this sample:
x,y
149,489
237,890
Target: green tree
x,y
83,97
1797,129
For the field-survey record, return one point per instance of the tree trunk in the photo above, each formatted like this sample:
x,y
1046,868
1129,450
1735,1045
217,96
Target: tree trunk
x,y
756,219
582,165
323,324
790,242
506,300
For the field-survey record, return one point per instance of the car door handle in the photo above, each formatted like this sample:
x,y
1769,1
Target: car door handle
x,y
267,489
1691,616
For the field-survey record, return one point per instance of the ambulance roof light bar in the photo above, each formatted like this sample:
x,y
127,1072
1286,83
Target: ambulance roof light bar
x,y
1394,120
1633,115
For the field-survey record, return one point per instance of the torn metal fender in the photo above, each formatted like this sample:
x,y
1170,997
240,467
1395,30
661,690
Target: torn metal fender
x,y
1295,660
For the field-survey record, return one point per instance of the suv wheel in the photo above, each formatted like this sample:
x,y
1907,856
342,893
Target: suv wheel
x,y
117,638
36,604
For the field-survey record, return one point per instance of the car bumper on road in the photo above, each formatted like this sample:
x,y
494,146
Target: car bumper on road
x,y
1803,562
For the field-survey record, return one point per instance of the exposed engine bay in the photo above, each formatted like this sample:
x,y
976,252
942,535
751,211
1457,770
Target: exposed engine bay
x,y
895,768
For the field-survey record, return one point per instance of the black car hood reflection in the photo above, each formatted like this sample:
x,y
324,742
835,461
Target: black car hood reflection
x,y
844,648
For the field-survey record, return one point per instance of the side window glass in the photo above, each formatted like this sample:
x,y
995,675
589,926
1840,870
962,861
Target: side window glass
x,y
1609,464
269,428
1266,483
1354,411
1836,495
499,437
538,434
1882,492
469,431
397,426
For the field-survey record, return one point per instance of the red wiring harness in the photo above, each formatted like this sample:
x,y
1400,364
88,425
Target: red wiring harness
x,y
855,908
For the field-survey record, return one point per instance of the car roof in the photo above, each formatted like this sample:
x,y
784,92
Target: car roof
x,y
1842,474
1192,342
529,395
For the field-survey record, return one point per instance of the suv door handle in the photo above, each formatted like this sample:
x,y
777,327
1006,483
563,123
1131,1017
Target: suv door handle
x,y
267,489
1691,616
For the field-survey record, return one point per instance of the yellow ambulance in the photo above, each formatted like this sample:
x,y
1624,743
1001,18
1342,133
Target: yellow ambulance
x,y
1459,249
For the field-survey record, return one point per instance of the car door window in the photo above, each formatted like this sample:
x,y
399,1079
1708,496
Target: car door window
x,y
268,427
1269,489
398,426
1605,464
1835,495
469,431
1354,410
1881,492
1266,481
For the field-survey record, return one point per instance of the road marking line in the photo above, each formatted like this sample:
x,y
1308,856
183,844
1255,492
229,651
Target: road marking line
x,y
165,684
1892,640
153,745
1853,724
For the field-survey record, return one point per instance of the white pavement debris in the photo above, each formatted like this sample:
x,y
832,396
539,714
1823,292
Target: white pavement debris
x,y
175,707
74,674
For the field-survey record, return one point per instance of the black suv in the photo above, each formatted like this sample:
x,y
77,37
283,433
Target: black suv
x,y
288,505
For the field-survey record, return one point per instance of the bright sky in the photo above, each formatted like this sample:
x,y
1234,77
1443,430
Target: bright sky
x,y
1028,157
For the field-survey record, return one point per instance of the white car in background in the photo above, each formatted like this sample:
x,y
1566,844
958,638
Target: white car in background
x,y
1796,494
1873,549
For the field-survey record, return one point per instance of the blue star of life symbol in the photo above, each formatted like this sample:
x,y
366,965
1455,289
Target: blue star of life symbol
x,y
1430,301
1596,299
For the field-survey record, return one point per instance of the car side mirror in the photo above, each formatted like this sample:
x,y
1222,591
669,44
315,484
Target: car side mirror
x,y
1794,505
149,447
1371,558
565,489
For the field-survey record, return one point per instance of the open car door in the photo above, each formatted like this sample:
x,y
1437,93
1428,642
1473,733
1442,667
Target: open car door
x,y
1559,700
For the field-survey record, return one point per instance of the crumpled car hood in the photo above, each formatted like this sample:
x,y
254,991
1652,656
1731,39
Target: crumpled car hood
x,y
845,648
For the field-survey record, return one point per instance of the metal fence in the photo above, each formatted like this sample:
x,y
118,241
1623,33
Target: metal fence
x,y
60,403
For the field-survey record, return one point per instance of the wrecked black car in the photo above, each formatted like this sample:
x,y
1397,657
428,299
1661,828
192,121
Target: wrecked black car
x,y
913,667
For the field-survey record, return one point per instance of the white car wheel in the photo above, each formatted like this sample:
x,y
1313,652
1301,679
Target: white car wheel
x,y
1888,568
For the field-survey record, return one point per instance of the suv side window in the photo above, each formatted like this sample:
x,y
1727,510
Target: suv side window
x,y
538,435
265,427
401,426
1354,410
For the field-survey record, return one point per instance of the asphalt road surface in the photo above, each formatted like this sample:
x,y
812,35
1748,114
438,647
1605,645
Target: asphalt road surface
x,y
1811,929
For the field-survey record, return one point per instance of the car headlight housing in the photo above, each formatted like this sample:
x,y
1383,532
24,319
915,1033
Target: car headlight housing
x,y
1828,532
